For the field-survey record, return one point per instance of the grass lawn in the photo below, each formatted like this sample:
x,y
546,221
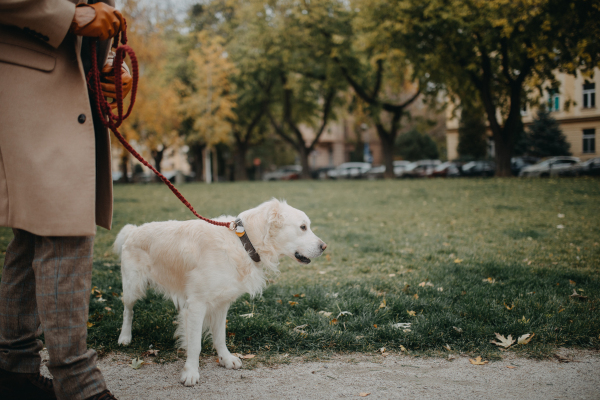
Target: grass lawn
x,y
458,259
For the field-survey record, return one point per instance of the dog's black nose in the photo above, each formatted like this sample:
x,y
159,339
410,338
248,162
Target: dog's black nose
x,y
323,246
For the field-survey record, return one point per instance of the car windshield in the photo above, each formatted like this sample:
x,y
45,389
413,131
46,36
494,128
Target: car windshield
x,y
442,166
411,166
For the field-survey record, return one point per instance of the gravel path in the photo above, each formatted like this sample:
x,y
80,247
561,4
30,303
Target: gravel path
x,y
347,376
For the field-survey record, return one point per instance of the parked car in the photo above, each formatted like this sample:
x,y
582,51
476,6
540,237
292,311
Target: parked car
x,y
446,169
285,173
321,173
478,168
349,170
518,163
548,167
419,169
379,172
589,167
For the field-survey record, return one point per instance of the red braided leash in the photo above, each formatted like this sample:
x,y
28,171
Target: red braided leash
x,y
113,121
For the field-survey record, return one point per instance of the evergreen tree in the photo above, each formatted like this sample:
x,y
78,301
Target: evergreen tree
x,y
545,139
413,146
472,140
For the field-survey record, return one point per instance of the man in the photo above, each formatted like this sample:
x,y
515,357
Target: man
x,y
55,187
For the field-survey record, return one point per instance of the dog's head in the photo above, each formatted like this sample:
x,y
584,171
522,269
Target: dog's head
x,y
284,228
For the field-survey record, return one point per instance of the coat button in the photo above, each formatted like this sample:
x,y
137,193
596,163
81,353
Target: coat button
x,y
81,118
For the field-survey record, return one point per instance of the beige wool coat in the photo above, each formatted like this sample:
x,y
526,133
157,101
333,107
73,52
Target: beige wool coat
x,y
55,168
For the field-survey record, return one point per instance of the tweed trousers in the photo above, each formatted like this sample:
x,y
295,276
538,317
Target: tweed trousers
x,y
46,281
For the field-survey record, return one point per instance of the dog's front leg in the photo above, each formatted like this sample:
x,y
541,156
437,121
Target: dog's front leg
x,y
217,329
193,328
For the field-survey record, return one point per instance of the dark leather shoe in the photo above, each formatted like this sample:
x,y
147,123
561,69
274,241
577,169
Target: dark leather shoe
x,y
106,395
17,386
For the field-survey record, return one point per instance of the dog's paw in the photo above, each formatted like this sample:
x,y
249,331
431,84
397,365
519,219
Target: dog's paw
x,y
230,362
124,340
189,376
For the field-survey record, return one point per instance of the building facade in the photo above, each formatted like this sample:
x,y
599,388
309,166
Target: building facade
x,y
573,105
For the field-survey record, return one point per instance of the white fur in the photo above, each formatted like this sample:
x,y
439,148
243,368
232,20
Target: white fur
x,y
203,268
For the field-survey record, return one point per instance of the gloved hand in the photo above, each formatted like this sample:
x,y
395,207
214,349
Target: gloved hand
x,y
107,81
106,22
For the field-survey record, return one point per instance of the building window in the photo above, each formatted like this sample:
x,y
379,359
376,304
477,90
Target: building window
x,y
589,95
589,141
553,100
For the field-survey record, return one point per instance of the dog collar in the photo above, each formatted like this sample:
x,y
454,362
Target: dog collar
x,y
241,233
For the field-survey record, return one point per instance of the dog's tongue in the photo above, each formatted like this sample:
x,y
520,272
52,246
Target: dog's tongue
x,y
301,258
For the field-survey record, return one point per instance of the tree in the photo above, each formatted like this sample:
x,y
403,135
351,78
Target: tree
x,y
414,146
472,138
544,137
495,46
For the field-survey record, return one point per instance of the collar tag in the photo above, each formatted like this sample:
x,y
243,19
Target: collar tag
x,y
241,233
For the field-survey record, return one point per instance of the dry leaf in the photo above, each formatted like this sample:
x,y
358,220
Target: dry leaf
x,y
509,307
300,328
459,330
489,280
576,295
89,324
391,275
447,347
416,296
279,301
402,348
402,325
328,257
364,394
458,261
292,303
136,363
108,308
510,366
333,321
477,361
572,282
325,313
148,353
383,304
503,342
247,315
440,289
411,313
247,356
526,338
375,326
381,350
342,313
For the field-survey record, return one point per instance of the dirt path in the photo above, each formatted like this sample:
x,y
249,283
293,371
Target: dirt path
x,y
392,377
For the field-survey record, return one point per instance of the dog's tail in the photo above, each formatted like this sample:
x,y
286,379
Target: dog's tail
x,y
122,237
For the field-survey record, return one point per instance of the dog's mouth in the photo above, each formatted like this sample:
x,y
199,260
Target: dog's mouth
x,y
301,259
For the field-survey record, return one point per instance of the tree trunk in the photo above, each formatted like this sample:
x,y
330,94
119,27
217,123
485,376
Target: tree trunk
x,y
503,147
158,156
124,165
387,150
303,152
240,173
215,165
197,162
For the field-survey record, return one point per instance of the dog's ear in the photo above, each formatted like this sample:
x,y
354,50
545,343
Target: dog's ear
x,y
274,214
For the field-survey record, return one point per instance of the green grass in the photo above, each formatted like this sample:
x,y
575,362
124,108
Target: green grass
x,y
453,234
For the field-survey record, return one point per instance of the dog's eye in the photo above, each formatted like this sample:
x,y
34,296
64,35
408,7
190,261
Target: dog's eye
x,y
303,227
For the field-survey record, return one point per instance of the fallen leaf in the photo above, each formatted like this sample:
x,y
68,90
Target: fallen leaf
x,y
526,338
562,359
561,310
402,325
572,282
364,394
328,257
381,350
503,342
292,303
148,353
344,313
375,326
247,315
325,313
411,313
509,307
136,363
248,356
459,330
402,348
279,301
416,296
391,275
477,361
576,295
489,280
322,272
299,328
458,261
447,347
510,366
559,226
333,321
108,308
561,215
89,324
440,289
383,304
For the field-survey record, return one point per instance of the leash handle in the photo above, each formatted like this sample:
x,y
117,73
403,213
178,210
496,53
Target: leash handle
x,y
112,121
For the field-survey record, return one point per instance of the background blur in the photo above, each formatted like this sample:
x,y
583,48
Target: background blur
x,y
329,89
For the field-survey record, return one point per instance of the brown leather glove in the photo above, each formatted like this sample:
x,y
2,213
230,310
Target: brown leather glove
x,y
105,25
107,81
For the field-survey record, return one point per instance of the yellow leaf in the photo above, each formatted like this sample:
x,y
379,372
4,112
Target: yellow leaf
x,y
375,326
383,304
89,324
510,366
333,321
292,303
458,261
572,282
447,347
364,394
505,342
402,348
416,296
279,301
248,356
526,338
477,361
411,313
509,307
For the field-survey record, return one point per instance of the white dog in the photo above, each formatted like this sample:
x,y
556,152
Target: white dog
x,y
203,268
